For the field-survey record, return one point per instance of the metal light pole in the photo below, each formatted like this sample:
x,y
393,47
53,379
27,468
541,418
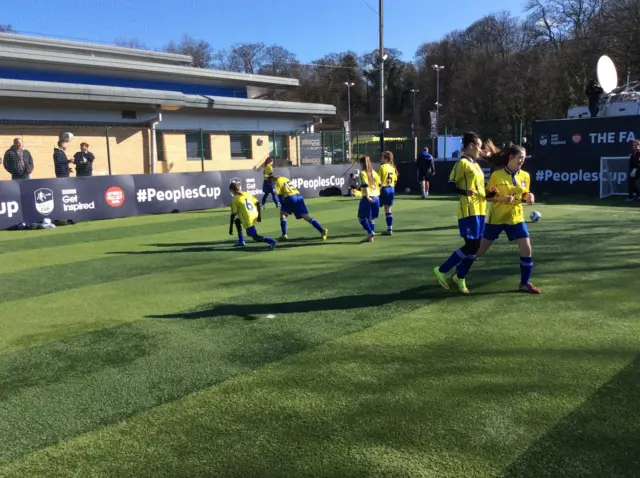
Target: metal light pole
x,y
382,58
349,85
414,134
438,68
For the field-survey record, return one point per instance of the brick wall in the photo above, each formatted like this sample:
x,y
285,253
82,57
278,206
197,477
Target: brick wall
x,y
129,147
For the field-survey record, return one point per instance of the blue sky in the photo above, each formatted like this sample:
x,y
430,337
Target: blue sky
x,y
309,29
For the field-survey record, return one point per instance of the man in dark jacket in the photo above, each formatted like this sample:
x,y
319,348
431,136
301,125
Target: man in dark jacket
x,y
426,168
60,160
634,171
594,92
83,160
18,161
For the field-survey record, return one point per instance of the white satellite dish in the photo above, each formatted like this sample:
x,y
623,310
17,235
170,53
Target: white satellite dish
x,y
607,74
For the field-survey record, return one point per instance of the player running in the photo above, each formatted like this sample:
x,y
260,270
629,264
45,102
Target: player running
x,y
267,187
388,174
508,187
369,207
467,180
292,202
245,212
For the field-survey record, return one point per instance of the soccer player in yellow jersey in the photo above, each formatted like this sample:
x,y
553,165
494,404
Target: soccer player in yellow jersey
x,y
245,209
369,207
388,178
467,180
292,202
508,187
267,187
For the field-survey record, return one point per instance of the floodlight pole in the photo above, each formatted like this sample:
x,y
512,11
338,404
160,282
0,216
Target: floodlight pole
x,y
381,53
349,85
438,68
414,133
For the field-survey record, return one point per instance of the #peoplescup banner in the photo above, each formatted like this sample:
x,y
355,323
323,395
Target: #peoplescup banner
x,y
105,197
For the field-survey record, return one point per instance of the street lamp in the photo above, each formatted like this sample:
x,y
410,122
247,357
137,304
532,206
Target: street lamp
x,y
382,58
438,68
414,135
349,85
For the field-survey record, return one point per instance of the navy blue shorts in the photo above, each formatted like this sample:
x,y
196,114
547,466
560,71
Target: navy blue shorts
x,y
471,227
367,210
387,194
294,205
514,231
267,187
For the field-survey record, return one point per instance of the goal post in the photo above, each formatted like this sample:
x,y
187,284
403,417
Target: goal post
x,y
614,171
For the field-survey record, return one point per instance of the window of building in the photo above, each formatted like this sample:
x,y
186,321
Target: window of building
x,y
279,146
160,148
241,146
198,145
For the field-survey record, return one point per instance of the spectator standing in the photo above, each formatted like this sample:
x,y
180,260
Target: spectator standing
x,y
83,160
426,168
634,171
60,160
18,161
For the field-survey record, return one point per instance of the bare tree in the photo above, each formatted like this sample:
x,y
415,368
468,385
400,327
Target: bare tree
x,y
199,50
133,43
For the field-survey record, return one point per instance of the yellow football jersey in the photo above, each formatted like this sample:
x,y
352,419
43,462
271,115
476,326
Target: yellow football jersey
x,y
268,171
284,187
246,207
372,189
508,183
388,175
467,174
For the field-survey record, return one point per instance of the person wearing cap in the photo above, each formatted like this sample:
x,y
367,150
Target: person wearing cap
x,y
60,160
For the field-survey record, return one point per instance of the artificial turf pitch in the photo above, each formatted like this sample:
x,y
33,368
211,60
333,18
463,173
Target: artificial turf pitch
x,y
141,347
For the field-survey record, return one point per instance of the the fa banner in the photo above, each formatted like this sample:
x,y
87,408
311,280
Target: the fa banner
x,y
434,123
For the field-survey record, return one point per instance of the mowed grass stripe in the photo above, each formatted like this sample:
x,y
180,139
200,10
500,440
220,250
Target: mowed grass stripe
x,y
85,305
216,229
108,261
65,388
17,241
434,391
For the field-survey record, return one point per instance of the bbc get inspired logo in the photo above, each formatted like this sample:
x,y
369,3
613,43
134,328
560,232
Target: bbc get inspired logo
x,y
114,196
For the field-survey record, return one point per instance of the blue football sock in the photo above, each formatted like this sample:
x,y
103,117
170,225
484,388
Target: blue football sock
x,y
316,224
372,225
283,226
389,218
264,199
454,260
240,237
275,199
366,225
463,268
526,269
268,240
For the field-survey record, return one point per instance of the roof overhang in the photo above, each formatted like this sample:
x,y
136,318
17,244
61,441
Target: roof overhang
x,y
87,49
165,100
21,57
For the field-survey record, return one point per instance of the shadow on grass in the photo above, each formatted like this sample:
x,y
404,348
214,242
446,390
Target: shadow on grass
x,y
346,302
251,247
254,311
600,438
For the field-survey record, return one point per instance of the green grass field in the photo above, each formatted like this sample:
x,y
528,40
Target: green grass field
x,y
141,347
